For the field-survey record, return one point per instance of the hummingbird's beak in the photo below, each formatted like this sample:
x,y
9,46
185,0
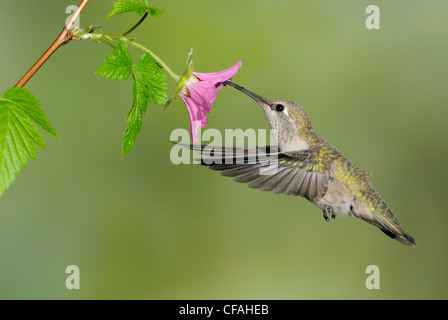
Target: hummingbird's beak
x,y
254,96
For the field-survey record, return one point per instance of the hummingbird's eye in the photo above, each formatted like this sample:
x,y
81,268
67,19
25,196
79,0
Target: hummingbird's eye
x,y
279,107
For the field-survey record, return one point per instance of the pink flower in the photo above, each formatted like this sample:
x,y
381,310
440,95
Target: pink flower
x,y
200,92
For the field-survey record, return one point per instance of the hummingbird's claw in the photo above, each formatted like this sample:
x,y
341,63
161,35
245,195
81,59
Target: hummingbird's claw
x,y
328,212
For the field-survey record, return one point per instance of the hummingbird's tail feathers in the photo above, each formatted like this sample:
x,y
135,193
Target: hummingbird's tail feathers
x,y
385,221
397,232
401,235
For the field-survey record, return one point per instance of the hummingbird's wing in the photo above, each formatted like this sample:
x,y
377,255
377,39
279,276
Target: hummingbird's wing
x,y
228,152
298,173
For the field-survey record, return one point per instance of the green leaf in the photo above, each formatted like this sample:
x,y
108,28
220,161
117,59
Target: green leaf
x,y
118,64
149,86
138,6
155,12
152,76
134,118
19,137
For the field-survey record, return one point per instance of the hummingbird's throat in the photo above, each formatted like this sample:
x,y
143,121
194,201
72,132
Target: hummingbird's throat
x,y
291,141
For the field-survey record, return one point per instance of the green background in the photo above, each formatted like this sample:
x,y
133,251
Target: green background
x,y
143,228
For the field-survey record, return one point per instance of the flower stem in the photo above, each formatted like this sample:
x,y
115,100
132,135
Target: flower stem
x,y
159,61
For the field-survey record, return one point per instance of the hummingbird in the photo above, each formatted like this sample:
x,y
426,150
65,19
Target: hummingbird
x,y
305,165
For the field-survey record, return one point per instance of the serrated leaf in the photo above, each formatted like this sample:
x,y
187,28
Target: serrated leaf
x,y
138,6
155,12
149,86
134,118
29,104
153,78
19,137
118,64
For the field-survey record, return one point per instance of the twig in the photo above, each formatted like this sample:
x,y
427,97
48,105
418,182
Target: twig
x,y
64,37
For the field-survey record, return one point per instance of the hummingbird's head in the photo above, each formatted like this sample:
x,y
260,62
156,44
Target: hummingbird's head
x,y
286,117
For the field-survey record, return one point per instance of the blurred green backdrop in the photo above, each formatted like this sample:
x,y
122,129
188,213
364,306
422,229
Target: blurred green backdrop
x,y
143,228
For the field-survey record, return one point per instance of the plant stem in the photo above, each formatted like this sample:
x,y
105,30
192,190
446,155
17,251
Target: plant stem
x,y
136,25
159,61
64,37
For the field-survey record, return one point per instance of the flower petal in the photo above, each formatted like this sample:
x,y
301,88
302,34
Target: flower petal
x,y
204,94
197,115
203,118
216,78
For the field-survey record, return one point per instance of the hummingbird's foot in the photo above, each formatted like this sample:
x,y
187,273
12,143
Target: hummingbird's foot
x,y
328,212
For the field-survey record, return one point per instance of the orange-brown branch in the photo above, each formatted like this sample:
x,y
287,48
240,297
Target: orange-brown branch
x,y
64,37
